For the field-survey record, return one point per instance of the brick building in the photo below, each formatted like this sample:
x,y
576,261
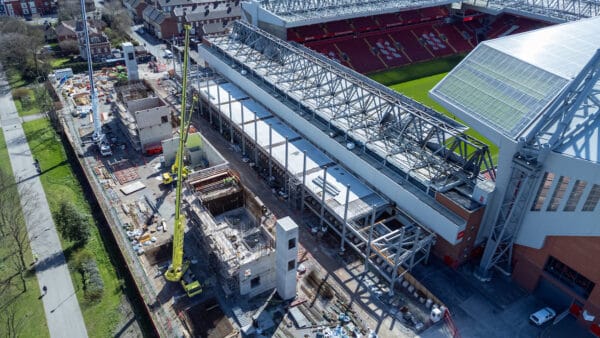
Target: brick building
x,y
73,31
25,8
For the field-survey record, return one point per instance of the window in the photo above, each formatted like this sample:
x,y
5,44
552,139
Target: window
x,y
164,119
292,265
575,195
291,243
254,282
569,277
559,192
542,191
131,57
592,199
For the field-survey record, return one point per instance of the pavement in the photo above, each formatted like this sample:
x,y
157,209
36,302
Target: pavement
x,y
61,307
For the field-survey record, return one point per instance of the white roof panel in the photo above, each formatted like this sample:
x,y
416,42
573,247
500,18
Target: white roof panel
x,y
222,92
562,50
507,83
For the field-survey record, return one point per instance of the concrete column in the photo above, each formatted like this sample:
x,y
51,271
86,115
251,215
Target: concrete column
x,y
219,111
344,224
286,174
323,196
230,118
210,119
370,239
130,63
286,254
270,152
303,182
255,143
243,131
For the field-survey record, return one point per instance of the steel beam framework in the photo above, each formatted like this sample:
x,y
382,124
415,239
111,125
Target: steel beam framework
x,y
390,245
561,10
294,10
398,130
554,131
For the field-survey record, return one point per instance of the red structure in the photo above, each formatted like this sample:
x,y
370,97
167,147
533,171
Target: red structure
x,y
376,43
25,8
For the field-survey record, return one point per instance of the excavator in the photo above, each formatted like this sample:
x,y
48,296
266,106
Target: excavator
x,y
179,271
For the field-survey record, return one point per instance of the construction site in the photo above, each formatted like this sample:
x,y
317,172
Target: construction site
x,y
278,239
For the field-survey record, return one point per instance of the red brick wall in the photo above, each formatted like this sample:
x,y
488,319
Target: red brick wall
x,y
40,7
169,28
579,253
455,255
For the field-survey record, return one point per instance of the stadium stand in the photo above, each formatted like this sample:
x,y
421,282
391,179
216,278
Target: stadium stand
x,y
374,43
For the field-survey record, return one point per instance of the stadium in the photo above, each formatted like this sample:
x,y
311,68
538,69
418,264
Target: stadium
x,y
502,171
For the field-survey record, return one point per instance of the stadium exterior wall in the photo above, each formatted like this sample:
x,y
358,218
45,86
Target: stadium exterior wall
x,y
405,200
455,255
505,157
254,13
560,222
578,253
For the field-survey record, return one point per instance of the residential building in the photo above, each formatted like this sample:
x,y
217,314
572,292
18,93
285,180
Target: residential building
x,y
24,8
135,8
73,30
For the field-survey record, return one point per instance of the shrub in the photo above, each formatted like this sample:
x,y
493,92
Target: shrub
x,y
20,93
93,286
72,224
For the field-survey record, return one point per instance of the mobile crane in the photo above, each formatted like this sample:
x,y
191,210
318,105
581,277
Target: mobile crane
x,y
178,270
169,177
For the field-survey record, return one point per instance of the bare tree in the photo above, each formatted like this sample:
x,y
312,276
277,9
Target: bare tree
x,y
7,184
68,47
42,97
117,18
69,10
12,221
21,44
11,321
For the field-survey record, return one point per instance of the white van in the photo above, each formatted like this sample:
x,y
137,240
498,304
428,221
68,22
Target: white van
x,y
542,316
168,54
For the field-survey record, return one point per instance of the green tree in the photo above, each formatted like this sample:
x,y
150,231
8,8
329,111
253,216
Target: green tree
x,y
72,224
21,44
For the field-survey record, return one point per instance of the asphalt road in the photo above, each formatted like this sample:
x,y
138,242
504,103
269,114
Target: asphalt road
x,y
60,302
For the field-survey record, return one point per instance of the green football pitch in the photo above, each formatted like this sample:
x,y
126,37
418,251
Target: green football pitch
x,y
415,81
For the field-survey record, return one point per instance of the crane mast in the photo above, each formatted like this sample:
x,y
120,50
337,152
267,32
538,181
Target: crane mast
x,y
98,136
178,268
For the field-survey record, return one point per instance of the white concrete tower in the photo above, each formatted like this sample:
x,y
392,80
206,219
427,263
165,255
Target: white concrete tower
x,y
286,253
130,62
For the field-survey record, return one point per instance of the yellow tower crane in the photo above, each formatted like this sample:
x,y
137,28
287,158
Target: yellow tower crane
x,y
178,270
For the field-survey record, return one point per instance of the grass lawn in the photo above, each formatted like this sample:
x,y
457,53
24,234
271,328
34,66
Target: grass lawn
x,y
60,184
419,89
15,78
29,307
58,63
29,108
416,71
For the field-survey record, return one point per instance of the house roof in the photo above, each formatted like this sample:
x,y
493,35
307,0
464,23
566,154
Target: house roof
x,y
153,15
200,13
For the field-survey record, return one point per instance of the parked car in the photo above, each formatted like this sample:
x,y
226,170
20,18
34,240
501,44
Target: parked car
x,y
542,316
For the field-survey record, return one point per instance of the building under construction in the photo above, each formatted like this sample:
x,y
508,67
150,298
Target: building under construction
x,y
236,229
303,175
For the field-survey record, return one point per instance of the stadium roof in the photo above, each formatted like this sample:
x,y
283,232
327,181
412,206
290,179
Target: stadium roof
x,y
507,86
303,10
564,10
411,137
